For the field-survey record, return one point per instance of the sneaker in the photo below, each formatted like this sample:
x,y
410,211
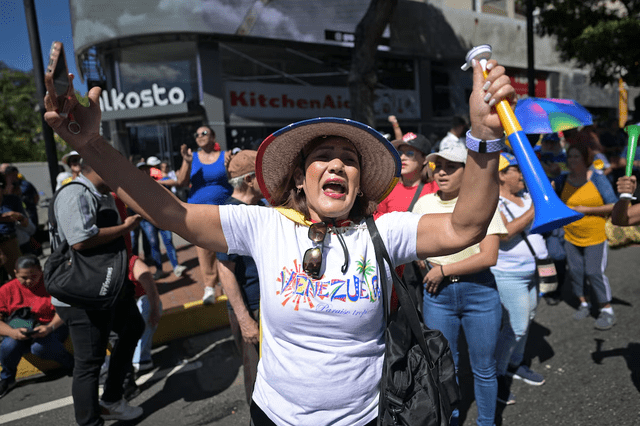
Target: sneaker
x,y
209,296
119,410
159,274
6,385
504,393
552,299
178,270
525,374
141,367
582,312
605,321
131,390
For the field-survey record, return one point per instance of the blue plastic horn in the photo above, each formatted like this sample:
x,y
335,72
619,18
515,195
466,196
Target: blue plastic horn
x,y
551,212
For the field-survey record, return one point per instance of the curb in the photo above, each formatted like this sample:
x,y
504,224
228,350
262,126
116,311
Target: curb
x,y
187,320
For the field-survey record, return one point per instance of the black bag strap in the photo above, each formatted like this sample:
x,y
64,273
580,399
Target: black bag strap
x,y
416,196
53,223
404,298
524,236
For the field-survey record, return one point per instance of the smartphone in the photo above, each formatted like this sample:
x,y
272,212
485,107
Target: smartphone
x,y
29,332
57,79
58,68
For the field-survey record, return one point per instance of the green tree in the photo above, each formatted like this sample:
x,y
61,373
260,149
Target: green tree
x,y
20,124
21,137
599,35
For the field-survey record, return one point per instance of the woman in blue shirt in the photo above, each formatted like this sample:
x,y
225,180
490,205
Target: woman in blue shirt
x,y
206,170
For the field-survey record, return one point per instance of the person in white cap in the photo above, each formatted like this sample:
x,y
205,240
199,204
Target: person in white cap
x,y
73,160
460,290
321,311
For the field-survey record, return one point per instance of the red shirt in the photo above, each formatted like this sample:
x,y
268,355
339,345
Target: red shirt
x,y
122,210
400,198
14,295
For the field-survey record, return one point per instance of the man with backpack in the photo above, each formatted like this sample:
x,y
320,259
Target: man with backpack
x,y
86,218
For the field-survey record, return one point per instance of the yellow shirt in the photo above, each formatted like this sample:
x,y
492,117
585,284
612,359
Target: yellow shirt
x,y
432,203
589,230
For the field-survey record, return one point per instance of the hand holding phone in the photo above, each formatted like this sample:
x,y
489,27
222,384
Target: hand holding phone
x,y
59,86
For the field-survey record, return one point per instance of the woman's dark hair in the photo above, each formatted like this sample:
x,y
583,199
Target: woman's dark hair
x,y
28,261
290,197
583,147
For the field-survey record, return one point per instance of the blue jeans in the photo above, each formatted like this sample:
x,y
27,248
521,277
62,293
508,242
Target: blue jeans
x,y
519,298
474,304
50,347
151,232
143,348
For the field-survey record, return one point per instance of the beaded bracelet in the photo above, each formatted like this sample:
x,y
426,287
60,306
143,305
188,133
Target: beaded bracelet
x,y
483,146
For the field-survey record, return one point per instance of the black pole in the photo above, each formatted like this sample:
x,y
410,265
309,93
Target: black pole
x,y
530,62
38,73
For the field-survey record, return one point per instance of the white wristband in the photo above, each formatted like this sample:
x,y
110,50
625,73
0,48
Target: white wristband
x,y
483,146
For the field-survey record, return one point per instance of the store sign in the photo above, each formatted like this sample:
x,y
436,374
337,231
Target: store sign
x,y
280,101
156,96
520,83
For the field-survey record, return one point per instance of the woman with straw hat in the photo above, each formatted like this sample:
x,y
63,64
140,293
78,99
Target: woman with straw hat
x,y
322,320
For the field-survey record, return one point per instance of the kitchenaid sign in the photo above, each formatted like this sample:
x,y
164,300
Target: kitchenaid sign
x,y
112,100
259,100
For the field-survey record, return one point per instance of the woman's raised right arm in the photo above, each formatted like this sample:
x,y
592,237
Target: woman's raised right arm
x,y
198,224
184,172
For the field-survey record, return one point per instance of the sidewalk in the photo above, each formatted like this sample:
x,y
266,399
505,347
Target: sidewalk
x,y
183,312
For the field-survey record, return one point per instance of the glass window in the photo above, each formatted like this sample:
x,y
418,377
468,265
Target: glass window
x,y
167,65
315,65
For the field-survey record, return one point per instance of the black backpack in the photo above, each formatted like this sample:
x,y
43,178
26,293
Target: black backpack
x,y
418,386
91,278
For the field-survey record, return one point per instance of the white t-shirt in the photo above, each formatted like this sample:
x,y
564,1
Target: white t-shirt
x,y
432,203
514,255
322,340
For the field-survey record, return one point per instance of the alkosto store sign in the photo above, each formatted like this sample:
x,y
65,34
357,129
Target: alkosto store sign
x,y
277,101
112,100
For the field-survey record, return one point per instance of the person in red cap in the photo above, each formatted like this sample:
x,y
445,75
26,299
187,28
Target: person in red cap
x,y
413,150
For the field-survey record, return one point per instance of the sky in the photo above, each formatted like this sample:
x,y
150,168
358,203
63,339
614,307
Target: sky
x,y
54,24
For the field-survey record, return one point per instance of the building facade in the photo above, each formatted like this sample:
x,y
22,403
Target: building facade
x,y
249,67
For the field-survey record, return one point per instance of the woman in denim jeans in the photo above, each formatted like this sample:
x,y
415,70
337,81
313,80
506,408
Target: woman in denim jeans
x,y
460,289
515,275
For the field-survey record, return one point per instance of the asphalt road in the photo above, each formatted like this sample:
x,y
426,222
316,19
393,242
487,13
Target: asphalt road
x,y
592,377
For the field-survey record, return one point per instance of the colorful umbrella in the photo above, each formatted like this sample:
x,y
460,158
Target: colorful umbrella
x,y
541,115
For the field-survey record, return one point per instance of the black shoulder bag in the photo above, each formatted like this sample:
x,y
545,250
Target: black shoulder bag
x,y
91,278
418,386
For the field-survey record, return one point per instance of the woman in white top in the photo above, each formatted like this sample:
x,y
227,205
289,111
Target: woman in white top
x,y
321,318
515,274
459,288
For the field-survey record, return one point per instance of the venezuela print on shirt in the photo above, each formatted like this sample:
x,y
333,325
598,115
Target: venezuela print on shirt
x,y
296,288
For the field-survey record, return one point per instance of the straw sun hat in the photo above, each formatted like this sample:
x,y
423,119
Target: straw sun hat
x,y
278,155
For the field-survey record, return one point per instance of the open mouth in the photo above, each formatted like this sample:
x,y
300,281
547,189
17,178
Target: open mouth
x,y
335,188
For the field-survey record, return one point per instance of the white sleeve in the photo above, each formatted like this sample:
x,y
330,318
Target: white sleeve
x,y
399,231
243,227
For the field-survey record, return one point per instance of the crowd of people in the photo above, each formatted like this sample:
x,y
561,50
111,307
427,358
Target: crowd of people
x,y
280,234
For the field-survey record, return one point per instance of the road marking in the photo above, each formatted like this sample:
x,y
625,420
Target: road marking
x,y
187,365
32,411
